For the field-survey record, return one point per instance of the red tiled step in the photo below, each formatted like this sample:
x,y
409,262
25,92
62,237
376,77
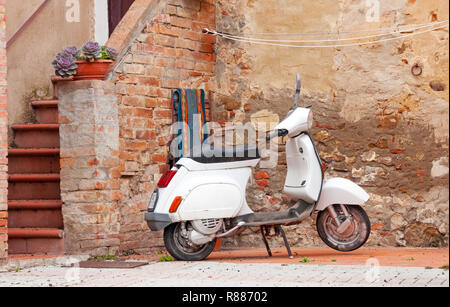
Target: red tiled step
x,y
36,135
35,241
33,151
32,127
46,111
34,204
33,160
35,214
36,246
35,218
33,186
45,103
33,177
35,233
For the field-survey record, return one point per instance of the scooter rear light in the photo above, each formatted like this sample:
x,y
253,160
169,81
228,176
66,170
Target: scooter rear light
x,y
324,168
166,178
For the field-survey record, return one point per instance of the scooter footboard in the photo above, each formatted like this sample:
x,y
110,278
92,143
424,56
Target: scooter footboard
x,y
341,191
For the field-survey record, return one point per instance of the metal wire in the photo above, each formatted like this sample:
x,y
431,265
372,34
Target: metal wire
x,y
341,32
250,41
334,40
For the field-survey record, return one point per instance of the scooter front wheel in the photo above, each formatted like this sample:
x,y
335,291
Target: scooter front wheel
x,y
351,238
181,248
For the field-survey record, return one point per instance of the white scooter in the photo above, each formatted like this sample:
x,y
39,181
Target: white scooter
x,y
202,199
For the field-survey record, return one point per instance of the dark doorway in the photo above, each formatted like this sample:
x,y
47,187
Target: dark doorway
x,y
116,10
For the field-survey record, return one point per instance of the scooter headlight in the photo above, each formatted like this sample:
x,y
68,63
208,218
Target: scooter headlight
x,y
310,120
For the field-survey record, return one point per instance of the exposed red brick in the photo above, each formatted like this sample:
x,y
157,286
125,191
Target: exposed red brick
x,y
159,158
263,182
170,53
261,175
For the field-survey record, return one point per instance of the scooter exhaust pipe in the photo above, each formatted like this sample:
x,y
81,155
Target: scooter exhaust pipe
x,y
232,231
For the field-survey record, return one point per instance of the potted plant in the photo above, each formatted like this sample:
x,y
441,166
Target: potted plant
x,y
91,62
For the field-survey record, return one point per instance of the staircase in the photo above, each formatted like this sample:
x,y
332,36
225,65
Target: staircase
x,y
35,223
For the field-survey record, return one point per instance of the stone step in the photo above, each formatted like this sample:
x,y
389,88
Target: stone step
x,y
36,136
34,186
35,241
46,111
33,160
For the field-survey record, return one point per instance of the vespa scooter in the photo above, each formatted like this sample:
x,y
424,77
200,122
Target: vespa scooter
x,y
202,199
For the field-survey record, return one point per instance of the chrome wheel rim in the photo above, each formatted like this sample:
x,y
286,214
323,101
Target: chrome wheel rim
x,y
349,236
183,243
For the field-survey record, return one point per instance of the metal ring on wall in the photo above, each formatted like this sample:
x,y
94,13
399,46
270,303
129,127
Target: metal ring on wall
x,y
416,69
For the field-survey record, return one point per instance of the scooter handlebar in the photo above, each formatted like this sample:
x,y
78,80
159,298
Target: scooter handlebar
x,y
277,133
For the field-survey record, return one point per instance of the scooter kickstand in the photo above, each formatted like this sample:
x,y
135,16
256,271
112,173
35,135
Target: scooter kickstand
x,y
286,243
265,241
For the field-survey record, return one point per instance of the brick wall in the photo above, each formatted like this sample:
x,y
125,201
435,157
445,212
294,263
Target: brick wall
x,y
3,137
169,52
89,136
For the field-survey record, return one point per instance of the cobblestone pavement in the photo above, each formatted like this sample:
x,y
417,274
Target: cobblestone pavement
x,y
220,274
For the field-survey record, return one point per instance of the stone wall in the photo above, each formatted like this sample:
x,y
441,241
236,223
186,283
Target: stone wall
x,y
168,52
3,138
89,134
376,123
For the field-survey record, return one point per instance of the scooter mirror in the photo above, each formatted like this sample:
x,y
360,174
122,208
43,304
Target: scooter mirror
x,y
297,91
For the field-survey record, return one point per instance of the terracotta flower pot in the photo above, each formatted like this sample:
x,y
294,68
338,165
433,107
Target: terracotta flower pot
x,y
97,70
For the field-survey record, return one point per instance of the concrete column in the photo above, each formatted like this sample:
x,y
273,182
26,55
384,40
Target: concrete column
x,y
90,166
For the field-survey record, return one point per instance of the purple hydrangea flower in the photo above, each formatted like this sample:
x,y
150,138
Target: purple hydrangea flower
x,y
112,53
91,51
65,65
73,51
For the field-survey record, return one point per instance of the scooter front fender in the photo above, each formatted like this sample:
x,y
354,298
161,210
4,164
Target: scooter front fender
x,y
341,191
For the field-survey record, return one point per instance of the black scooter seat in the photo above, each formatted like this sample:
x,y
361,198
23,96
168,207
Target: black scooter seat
x,y
225,154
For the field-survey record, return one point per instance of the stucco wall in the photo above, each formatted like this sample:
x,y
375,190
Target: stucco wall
x,y
30,56
376,123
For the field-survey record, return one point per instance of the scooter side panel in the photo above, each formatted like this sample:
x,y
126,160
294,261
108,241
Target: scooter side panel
x,y
211,201
304,174
206,194
341,191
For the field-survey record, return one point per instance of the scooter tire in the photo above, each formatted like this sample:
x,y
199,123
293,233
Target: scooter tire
x,y
176,251
327,236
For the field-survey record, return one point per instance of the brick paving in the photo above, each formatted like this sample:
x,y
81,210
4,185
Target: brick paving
x,y
366,267
220,274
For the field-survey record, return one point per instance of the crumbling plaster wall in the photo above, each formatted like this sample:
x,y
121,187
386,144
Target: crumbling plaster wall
x,y
376,123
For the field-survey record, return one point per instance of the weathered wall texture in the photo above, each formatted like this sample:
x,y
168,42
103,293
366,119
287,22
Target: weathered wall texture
x,y
31,55
169,52
376,123
3,138
89,133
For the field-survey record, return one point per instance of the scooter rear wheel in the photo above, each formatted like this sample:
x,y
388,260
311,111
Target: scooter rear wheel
x,y
353,237
179,247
